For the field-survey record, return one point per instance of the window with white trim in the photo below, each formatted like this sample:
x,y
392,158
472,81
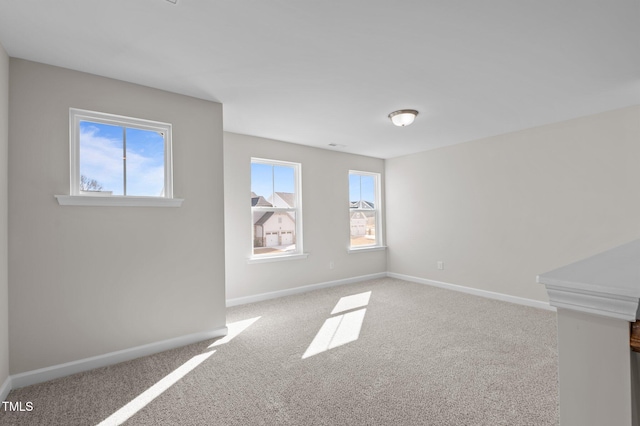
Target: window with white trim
x,y
117,156
276,208
365,218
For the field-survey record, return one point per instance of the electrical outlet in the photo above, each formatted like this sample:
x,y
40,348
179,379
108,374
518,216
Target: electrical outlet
x,y
331,265
440,264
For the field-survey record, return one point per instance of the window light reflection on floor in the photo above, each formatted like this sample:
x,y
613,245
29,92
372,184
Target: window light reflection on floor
x,y
341,329
233,330
348,303
336,331
138,403
154,391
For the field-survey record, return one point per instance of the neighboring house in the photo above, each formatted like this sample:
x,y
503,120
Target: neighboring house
x,y
259,200
273,228
361,223
358,224
282,199
361,205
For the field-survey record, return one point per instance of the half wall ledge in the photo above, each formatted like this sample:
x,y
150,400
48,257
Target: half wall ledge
x,y
607,284
596,299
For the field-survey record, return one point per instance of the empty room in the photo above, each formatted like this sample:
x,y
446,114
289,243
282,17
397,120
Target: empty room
x,y
220,212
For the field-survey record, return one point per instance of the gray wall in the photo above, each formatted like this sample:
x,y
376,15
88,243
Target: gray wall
x,y
325,201
85,281
4,142
501,210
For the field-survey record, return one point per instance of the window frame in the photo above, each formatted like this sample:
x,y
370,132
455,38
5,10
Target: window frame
x,y
379,241
298,253
82,198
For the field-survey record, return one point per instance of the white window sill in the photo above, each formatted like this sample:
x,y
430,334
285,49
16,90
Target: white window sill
x,y
265,259
115,201
364,249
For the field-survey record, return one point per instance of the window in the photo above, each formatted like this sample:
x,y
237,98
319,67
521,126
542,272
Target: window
x,y
276,208
119,157
364,210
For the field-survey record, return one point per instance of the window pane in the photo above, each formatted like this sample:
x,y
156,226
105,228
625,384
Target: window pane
x,y
363,228
362,191
284,186
274,232
101,152
261,183
368,190
145,163
354,190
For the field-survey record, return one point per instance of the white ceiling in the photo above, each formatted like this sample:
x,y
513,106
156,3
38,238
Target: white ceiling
x,y
330,71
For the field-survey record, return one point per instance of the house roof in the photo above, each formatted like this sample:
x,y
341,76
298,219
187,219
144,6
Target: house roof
x,y
264,218
259,201
286,197
362,204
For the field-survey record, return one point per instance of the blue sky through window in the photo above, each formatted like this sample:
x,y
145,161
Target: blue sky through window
x,y
145,162
101,158
268,178
362,187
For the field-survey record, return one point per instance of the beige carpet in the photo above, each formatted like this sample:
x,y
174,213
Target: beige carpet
x,y
422,356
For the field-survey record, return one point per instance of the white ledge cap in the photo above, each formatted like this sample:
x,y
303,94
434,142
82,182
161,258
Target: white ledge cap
x,y
606,284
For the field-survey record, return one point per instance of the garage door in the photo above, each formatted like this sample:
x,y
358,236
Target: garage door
x,y
272,239
286,237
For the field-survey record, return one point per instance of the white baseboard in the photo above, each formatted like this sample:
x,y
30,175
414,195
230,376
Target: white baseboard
x,y
5,389
56,371
477,292
290,291
49,373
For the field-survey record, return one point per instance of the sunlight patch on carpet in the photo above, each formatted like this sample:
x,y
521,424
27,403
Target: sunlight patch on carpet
x,y
233,330
348,303
154,391
138,403
341,329
336,331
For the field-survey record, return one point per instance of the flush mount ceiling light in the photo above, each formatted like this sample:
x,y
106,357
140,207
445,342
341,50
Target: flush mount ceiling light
x,y
403,117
